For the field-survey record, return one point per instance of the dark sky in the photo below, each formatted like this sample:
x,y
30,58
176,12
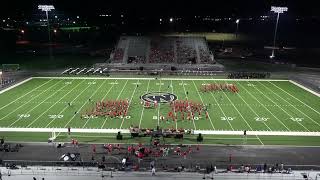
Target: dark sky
x,y
163,7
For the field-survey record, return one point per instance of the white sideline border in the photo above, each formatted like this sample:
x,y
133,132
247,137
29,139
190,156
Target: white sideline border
x,y
127,131
173,79
15,85
305,88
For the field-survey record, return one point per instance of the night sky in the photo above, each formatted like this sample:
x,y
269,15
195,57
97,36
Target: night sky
x,y
240,8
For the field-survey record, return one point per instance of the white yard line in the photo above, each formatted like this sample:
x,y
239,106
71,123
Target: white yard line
x,y
91,97
265,107
241,116
29,100
143,105
116,99
159,104
185,92
253,111
80,107
174,106
290,104
203,103
281,108
105,120
68,106
24,94
220,109
55,103
297,98
129,103
34,107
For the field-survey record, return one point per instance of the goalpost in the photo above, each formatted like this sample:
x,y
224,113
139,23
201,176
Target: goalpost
x,y
10,67
53,136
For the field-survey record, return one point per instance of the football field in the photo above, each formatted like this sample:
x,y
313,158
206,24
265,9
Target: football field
x,y
262,107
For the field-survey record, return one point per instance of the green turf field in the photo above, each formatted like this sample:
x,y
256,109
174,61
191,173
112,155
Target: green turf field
x,y
273,106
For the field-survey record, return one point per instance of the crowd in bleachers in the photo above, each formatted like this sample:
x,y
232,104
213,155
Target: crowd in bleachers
x,y
161,51
204,56
118,55
248,75
185,53
181,50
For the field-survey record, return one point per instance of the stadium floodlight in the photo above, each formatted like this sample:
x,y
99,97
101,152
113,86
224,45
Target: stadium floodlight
x,y
22,31
47,8
171,19
237,22
278,10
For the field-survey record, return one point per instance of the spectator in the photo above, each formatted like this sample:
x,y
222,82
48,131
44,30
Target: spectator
x,y
153,170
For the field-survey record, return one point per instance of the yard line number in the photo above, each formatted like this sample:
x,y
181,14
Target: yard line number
x,y
296,119
55,116
23,115
261,118
227,118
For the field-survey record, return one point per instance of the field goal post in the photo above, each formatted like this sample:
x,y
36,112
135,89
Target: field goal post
x,y
10,67
53,136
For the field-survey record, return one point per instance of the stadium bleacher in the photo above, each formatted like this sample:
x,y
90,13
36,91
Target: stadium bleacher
x,y
172,50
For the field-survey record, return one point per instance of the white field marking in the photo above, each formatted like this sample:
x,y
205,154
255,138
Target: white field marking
x,y
174,79
303,87
281,108
221,110
297,98
265,107
290,104
105,120
182,84
136,83
81,106
227,118
15,85
127,131
91,97
55,104
129,104
113,83
143,106
159,103
11,87
250,84
34,107
241,116
185,92
29,100
296,119
70,102
173,106
203,103
253,111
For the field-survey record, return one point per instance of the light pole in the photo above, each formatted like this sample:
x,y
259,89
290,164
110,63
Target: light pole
x,y
237,22
47,8
278,10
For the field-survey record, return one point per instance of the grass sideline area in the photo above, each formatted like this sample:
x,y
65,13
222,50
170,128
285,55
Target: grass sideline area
x,y
260,105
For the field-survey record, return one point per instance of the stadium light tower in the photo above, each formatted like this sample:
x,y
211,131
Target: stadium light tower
x,y
278,10
47,8
237,22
